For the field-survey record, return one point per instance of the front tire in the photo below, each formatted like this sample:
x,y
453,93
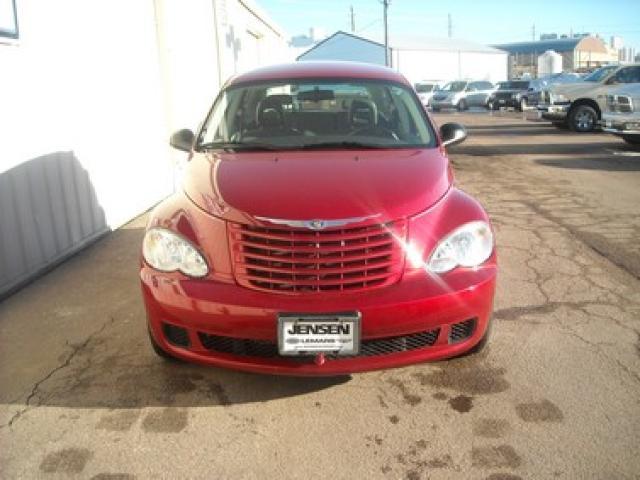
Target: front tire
x,y
435,109
583,119
462,105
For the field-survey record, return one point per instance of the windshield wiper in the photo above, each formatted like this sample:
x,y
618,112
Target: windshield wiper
x,y
239,146
344,144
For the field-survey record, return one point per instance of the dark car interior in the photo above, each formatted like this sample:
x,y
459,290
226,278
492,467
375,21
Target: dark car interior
x,y
312,113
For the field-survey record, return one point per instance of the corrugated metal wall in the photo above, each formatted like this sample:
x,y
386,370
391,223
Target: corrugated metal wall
x,y
48,210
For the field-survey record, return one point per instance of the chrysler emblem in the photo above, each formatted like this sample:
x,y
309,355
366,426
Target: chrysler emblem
x,y
316,224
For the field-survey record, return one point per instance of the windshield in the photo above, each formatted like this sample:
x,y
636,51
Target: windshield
x,y
454,87
513,86
424,87
317,114
599,74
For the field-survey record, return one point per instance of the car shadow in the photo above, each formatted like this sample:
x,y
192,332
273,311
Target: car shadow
x,y
498,131
532,148
612,163
81,330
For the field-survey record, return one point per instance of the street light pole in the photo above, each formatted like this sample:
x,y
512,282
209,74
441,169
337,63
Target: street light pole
x,y
385,3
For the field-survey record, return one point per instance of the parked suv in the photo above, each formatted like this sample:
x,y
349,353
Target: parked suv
x,y
580,105
319,230
622,116
425,90
462,94
514,93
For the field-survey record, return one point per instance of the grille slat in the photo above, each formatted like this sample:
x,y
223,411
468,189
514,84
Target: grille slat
x,y
461,331
296,260
368,348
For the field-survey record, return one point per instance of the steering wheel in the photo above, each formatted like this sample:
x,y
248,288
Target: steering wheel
x,y
375,131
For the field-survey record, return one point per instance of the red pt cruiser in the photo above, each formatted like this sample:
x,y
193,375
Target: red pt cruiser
x,y
319,231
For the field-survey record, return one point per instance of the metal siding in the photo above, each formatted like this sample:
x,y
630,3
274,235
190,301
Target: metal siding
x,y
48,210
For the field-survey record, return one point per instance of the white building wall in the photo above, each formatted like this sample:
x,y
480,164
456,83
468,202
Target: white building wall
x,y
90,93
346,48
445,65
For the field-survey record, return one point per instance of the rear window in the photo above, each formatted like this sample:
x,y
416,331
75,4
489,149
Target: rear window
x,y
424,87
317,114
516,85
454,87
482,85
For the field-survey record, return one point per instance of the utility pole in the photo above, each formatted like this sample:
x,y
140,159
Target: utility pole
x,y
533,32
353,21
385,4
449,25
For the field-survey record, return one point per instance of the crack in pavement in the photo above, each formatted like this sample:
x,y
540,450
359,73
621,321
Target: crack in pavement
x,y
35,389
586,238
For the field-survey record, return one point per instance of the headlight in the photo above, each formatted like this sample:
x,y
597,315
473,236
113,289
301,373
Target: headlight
x,y
169,252
467,246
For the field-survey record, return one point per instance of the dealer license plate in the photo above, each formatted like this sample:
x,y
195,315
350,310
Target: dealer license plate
x,y
309,334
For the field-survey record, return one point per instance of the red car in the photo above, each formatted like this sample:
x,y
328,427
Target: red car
x,y
319,230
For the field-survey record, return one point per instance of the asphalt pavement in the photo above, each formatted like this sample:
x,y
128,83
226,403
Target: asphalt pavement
x,y
556,394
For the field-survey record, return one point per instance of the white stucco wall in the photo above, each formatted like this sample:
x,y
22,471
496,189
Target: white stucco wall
x,y
89,95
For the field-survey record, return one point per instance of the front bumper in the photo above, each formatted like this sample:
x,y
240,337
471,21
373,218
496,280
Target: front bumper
x,y
621,123
505,102
553,112
420,302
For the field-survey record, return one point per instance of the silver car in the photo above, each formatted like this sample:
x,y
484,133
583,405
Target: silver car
x,y
622,115
462,94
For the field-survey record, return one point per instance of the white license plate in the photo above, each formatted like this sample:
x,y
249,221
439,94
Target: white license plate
x,y
500,101
309,334
608,123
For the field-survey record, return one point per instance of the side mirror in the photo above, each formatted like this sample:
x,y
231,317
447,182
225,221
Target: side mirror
x,y
452,133
182,140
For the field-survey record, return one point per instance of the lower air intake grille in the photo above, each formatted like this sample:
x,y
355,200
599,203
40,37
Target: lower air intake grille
x,y
461,331
175,335
368,348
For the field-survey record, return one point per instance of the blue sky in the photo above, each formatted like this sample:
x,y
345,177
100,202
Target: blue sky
x,y
484,21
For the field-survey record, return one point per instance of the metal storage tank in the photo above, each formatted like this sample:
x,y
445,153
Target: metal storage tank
x,y
549,62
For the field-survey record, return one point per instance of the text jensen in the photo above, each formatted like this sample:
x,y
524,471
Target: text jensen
x,y
305,329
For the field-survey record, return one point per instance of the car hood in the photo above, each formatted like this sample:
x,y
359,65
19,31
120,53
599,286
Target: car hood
x,y
379,184
574,89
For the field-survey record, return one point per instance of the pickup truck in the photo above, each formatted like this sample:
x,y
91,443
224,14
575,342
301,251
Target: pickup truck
x,y
579,105
622,116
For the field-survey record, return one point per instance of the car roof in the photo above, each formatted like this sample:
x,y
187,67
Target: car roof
x,y
319,69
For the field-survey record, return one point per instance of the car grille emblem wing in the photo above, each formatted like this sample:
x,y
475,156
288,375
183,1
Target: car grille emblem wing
x,y
317,224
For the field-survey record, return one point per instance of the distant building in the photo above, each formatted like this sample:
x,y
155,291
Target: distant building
x,y
417,58
301,43
579,53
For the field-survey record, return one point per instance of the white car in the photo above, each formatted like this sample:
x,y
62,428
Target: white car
x,y
622,116
425,90
580,105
